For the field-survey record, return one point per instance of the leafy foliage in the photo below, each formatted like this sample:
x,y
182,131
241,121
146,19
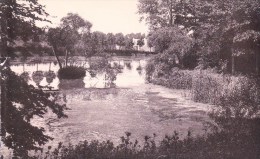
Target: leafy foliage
x,y
220,29
71,72
17,18
21,102
120,40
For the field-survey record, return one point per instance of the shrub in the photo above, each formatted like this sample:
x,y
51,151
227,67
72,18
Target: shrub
x,y
231,143
207,87
175,78
71,72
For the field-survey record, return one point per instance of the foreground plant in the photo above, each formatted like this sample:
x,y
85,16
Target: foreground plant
x,y
20,103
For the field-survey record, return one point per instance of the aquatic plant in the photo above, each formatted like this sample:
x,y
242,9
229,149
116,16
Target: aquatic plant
x,y
71,72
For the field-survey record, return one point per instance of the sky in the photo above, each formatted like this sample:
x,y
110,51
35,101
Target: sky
x,y
106,15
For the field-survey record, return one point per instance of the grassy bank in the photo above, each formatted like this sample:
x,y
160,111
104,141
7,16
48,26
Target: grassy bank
x,y
237,94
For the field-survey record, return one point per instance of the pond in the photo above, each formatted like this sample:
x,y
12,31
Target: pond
x,y
104,106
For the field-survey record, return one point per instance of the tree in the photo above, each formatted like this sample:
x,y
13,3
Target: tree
x,y
216,26
111,40
68,34
98,42
150,44
13,12
165,13
129,43
172,41
140,42
220,25
21,102
120,40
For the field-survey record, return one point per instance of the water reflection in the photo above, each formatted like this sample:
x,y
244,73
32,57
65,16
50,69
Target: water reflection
x,y
100,74
71,84
25,76
37,77
50,76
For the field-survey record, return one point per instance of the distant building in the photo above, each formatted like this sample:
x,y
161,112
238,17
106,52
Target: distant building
x,y
145,47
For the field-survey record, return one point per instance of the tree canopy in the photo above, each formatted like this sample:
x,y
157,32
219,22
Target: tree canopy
x,y
221,29
12,13
21,102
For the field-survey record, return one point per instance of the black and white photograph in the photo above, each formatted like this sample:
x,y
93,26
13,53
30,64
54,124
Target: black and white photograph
x,y
130,79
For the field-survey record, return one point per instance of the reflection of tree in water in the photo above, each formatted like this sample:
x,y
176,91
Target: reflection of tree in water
x,y
139,68
110,77
101,66
71,84
21,102
128,65
140,72
37,77
25,76
98,64
118,67
50,76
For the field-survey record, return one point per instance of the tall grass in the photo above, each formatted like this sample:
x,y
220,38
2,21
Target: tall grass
x,y
238,95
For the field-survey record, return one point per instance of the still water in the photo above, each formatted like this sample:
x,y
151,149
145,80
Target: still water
x,y
104,109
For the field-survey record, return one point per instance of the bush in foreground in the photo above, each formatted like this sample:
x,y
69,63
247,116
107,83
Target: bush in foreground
x,y
71,72
228,143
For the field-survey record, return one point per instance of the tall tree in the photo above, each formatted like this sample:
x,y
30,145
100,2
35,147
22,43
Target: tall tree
x,y
165,13
222,26
120,40
21,102
12,12
111,40
68,34
218,27
129,43
140,42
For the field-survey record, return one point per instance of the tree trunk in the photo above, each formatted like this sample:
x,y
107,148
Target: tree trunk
x,y
257,61
233,64
57,58
66,58
171,14
50,67
4,38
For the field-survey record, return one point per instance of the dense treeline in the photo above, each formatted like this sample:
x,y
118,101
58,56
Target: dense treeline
x,y
73,36
207,34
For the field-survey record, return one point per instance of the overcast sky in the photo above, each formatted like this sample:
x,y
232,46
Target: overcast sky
x,y
105,15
